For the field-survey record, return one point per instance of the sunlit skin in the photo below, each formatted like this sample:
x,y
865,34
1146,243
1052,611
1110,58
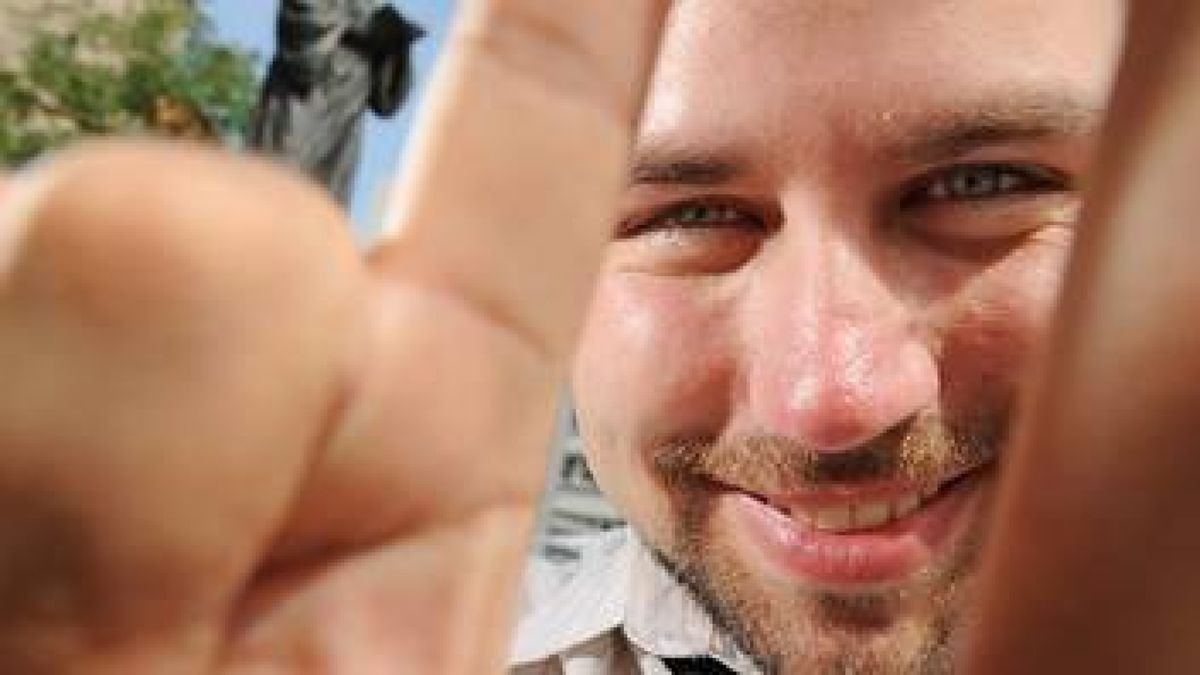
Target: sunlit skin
x,y
229,444
843,235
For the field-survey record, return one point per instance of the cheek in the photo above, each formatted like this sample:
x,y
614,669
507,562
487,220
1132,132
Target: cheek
x,y
652,366
993,327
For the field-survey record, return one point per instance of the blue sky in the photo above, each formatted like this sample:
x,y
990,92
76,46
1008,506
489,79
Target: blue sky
x,y
251,23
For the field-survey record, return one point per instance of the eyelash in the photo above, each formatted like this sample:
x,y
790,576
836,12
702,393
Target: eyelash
x,y
690,215
949,184
991,181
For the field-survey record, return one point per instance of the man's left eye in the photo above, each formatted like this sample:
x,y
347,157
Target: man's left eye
x,y
982,209
983,181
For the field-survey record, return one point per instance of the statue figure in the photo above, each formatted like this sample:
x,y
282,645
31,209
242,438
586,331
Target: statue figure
x,y
334,60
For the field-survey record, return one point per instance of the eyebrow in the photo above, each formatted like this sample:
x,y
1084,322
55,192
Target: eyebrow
x,y
655,165
921,136
954,131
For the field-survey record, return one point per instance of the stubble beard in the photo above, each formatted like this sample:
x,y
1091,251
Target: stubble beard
x,y
909,628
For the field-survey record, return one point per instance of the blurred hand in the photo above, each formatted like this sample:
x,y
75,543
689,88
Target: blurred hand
x,y
1095,562
229,444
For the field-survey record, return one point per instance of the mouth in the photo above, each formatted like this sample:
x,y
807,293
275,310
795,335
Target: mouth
x,y
860,508
848,536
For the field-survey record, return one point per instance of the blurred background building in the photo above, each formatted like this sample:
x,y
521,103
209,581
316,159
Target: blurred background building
x,y
573,506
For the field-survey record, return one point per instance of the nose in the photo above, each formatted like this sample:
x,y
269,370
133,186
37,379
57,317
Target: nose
x,y
835,356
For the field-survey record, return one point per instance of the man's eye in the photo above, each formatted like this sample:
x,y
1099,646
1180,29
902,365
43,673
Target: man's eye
x,y
692,237
983,181
695,216
980,210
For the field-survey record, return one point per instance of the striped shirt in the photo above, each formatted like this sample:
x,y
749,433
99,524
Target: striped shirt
x,y
614,611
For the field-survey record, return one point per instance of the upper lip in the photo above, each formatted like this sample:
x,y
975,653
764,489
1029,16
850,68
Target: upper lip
x,y
815,497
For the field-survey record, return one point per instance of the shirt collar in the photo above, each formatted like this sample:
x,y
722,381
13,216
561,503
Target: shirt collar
x,y
662,616
619,585
569,604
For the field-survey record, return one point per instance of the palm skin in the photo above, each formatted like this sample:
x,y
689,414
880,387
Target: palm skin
x,y
231,444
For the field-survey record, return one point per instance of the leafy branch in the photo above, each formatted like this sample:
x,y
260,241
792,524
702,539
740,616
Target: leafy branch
x,y
156,70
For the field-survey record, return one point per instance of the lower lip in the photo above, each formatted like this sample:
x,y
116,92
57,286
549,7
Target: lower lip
x,y
882,555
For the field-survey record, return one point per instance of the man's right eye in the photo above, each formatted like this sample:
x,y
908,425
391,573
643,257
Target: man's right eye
x,y
692,237
693,216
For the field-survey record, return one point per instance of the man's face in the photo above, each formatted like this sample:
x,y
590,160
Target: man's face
x,y
843,236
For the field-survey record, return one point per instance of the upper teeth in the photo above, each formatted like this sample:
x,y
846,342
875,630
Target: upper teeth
x,y
862,515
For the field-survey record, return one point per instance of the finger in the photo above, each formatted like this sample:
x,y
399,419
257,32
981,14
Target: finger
x,y
1095,566
496,235
501,222
500,226
520,156
170,342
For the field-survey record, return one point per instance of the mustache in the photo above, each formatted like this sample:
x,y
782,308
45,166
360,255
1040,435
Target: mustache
x,y
922,448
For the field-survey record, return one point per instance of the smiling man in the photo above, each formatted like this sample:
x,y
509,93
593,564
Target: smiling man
x,y
230,444
843,234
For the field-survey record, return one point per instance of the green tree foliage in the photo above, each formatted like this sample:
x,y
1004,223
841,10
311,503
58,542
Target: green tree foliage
x,y
155,69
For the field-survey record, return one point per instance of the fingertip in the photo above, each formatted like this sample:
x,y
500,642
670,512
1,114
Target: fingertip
x,y
151,221
153,183
513,178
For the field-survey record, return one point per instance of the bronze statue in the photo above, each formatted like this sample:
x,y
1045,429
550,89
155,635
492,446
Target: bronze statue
x,y
334,60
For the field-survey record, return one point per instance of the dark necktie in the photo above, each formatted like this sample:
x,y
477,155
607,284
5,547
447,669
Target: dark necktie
x,y
697,665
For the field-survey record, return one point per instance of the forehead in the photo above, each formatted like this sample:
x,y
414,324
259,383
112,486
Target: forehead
x,y
777,70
